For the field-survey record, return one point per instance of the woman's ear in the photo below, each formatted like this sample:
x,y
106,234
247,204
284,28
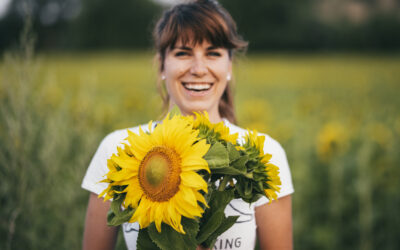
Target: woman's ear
x,y
160,66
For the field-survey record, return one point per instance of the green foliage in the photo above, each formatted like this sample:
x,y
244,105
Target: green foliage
x,y
144,241
213,223
71,24
150,239
233,153
244,166
171,239
41,160
267,25
217,156
116,216
56,108
126,24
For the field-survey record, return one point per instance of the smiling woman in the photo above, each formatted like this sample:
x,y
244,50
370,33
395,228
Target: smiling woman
x,y
196,77
196,43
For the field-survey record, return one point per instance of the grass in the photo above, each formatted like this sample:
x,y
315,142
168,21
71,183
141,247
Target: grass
x,y
335,114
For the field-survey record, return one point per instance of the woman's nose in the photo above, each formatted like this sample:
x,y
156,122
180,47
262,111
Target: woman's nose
x,y
198,67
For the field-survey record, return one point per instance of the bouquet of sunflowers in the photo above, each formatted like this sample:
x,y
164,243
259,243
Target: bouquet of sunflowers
x,y
177,179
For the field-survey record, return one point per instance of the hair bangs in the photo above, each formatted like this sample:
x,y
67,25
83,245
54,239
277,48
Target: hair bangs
x,y
194,28
191,25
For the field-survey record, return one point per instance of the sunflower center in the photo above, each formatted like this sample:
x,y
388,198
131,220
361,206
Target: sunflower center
x,y
156,170
159,173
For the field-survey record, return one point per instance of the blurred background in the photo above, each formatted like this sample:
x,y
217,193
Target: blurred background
x,y
322,77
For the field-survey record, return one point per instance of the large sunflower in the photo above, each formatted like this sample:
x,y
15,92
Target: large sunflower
x,y
157,171
271,172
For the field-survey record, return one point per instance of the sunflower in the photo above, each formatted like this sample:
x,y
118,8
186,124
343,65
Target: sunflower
x,y
254,142
332,140
209,130
157,172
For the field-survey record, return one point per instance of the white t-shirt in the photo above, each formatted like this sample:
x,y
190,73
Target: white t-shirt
x,y
242,235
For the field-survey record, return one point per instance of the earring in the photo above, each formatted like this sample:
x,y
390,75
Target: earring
x,y
163,77
228,77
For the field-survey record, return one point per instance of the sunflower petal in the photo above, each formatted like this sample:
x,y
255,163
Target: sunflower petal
x,y
123,174
193,180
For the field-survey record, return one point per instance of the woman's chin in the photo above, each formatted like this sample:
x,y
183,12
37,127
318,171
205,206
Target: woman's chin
x,y
189,109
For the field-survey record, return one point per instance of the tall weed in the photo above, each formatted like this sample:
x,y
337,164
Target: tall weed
x,y
44,151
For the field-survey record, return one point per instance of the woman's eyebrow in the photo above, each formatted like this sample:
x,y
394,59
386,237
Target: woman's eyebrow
x,y
183,48
212,47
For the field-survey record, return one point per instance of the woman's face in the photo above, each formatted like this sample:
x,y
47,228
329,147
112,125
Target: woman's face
x,y
196,77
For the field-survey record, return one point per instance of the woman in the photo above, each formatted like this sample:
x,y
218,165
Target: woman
x,y
195,43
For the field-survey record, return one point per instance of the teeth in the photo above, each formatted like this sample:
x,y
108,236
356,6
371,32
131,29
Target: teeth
x,y
197,86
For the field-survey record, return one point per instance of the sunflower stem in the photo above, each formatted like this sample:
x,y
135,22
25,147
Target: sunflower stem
x,y
223,183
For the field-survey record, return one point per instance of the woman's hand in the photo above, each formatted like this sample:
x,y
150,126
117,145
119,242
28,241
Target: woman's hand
x,y
98,235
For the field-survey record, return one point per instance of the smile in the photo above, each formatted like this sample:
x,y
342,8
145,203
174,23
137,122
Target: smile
x,y
197,86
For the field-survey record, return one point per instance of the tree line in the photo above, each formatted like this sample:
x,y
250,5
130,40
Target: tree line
x,y
267,25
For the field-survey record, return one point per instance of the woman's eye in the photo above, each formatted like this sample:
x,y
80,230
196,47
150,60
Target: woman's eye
x,y
214,53
181,53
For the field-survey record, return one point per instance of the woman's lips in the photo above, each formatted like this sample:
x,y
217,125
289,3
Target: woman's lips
x,y
197,88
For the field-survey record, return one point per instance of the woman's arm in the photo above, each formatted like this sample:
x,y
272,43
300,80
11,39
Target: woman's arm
x,y
97,235
274,224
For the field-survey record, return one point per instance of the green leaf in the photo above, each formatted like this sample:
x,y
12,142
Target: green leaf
x,y
242,187
220,199
232,171
225,225
248,188
116,204
168,235
240,163
233,153
253,155
191,227
255,198
144,241
217,156
259,186
116,216
214,215
210,225
110,218
122,217
119,189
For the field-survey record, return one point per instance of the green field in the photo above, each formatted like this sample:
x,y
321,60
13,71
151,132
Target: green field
x,y
336,115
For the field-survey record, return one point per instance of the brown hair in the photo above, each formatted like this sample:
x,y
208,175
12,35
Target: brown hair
x,y
194,22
